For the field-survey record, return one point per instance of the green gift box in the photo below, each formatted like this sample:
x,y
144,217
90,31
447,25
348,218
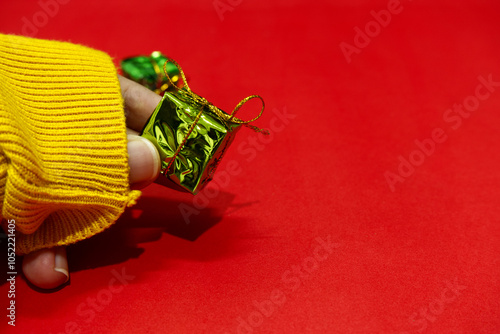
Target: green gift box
x,y
192,135
147,71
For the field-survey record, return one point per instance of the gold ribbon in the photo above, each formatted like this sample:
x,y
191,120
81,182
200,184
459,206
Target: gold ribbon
x,y
204,103
225,118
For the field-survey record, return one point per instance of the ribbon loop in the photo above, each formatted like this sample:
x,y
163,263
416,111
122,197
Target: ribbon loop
x,y
204,102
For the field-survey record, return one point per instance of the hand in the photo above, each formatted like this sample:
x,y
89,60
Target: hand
x,y
48,268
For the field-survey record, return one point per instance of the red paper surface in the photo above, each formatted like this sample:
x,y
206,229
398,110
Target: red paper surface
x,y
417,254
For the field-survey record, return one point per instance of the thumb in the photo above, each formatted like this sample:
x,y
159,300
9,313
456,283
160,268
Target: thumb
x,y
143,160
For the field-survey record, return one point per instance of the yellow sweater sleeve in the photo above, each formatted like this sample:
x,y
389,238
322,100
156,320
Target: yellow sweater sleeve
x,y
63,150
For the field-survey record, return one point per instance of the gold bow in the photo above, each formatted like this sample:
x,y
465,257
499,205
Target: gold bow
x,y
204,103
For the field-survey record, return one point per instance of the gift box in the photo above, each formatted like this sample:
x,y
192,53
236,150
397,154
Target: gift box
x,y
148,71
192,135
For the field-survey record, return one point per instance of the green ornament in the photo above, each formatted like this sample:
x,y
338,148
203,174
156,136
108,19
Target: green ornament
x,y
149,72
190,152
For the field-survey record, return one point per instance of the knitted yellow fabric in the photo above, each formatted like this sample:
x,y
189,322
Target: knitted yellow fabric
x,y
63,148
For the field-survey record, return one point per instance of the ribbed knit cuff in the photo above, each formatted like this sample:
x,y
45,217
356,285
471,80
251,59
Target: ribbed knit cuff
x,y
63,149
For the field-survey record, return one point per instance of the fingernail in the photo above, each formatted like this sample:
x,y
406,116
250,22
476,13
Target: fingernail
x,y
143,159
61,262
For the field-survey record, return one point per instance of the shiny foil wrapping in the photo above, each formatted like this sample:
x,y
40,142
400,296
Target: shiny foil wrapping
x,y
201,152
149,71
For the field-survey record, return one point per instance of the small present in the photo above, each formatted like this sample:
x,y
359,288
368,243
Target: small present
x,y
147,71
192,135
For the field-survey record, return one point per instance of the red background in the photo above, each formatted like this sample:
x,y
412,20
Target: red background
x,y
321,175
